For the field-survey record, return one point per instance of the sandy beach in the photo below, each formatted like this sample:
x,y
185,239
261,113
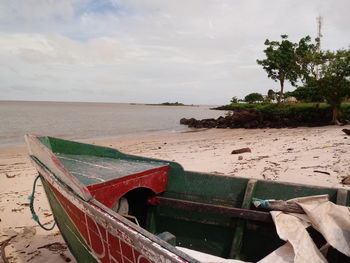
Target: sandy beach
x,y
315,156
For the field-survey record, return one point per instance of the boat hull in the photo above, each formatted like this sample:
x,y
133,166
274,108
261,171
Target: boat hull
x,y
204,212
93,235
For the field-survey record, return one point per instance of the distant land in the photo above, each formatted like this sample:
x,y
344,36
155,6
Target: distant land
x,y
172,104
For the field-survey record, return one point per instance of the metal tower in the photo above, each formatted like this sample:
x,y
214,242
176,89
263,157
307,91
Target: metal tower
x,y
319,20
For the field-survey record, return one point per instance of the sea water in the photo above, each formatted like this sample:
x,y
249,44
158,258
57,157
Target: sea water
x,y
85,120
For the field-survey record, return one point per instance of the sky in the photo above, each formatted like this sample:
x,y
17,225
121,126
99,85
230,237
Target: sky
x,y
152,51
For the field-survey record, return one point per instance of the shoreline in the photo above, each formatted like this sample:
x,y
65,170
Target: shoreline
x,y
172,146
287,155
140,134
117,137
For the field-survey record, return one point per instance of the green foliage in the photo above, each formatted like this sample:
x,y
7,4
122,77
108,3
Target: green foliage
x,y
234,100
308,59
253,98
271,95
281,62
345,108
172,104
325,75
302,112
334,82
307,94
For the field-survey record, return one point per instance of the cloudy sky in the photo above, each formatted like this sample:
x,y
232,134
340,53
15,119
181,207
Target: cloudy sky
x,y
192,51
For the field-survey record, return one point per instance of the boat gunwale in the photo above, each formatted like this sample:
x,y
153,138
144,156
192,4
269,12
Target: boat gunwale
x,y
271,182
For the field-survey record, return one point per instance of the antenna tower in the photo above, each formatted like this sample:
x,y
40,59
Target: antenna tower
x,y
319,20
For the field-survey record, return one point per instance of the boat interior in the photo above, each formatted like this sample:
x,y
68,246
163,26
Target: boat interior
x,y
209,213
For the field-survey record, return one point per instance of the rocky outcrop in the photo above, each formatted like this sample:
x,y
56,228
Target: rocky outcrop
x,y
251,119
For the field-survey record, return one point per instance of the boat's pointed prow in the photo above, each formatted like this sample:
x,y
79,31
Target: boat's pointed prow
x,y
41,154
28,138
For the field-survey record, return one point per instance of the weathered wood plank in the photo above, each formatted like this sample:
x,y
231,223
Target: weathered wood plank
x,y
238,237
342,196
279,205
215,209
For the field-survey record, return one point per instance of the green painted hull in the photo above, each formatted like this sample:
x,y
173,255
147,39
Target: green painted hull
x,y
70,233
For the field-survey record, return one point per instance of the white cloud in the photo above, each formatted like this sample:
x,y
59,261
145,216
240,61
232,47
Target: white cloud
x,y
198,51
35,9
58,49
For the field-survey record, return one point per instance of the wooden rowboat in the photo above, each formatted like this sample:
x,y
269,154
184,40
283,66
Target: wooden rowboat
x,y
113,207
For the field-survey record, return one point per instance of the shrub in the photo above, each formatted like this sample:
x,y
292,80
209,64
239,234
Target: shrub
x,y
253,98
316,113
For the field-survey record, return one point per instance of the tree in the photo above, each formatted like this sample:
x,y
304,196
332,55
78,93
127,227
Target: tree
x,y
281,62
334,80
271,95
309,59
325,75
234,100
253,98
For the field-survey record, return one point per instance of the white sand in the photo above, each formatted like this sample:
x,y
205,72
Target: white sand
x,y
290,155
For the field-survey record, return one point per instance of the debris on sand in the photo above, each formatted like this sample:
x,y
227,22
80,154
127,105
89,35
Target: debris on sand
x,y
65,258
55,246
10,175
346,131
3,245
346,180
322,172
242,150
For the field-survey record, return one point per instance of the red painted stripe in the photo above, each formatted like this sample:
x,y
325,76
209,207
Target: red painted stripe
x,y
109,192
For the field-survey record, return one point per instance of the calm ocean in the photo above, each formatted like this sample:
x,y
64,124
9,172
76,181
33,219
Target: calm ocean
x,y
82,120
